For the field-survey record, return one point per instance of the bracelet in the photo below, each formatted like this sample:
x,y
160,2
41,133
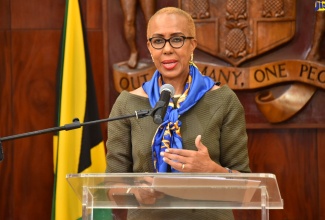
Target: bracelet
x,y
229,170
128,190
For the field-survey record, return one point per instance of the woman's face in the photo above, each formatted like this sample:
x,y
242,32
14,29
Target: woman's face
x,y
172,63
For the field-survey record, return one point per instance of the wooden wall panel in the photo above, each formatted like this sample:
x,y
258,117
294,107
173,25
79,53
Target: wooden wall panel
x,y
94,14
36,14
6,166
321,171
5,79
290,154
4,14
34,83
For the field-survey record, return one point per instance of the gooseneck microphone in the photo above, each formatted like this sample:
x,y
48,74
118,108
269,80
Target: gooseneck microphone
x,y
158,113
167,91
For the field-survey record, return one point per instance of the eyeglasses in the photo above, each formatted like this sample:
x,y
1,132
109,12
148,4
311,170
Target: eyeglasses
x,y
175,42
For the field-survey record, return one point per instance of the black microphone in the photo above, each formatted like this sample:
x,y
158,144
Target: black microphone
x,y
167,91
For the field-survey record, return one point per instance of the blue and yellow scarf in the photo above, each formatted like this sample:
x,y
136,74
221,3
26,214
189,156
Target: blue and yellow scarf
x,y
168,133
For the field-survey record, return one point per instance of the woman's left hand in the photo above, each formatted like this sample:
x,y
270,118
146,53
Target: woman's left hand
x,y
192,161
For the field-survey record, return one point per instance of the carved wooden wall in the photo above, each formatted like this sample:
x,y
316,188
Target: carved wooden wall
x,y
293,150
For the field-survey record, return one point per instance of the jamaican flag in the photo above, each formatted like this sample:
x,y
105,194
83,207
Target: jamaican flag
x,y
80,150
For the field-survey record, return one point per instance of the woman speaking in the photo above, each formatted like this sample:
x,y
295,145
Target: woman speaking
x,y
202,131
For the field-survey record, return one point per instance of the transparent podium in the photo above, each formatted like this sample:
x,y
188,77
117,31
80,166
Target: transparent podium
x,y
180,191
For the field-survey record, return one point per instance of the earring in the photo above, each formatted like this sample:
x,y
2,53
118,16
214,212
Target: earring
x,y
152,58
191,60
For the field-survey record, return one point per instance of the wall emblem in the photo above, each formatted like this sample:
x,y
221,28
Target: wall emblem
x,y
239,31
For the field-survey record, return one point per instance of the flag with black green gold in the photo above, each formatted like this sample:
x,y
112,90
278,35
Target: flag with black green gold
x,y
79,150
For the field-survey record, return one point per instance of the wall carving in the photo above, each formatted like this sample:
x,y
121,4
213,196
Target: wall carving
x,y
241,31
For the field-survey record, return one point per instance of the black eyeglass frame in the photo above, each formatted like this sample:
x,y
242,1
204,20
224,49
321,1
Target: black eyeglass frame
x,y
168,40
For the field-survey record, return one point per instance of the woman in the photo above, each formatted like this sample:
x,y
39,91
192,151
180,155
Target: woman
x,y
204,127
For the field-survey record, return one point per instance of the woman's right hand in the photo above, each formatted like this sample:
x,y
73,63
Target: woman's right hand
x,y
144,193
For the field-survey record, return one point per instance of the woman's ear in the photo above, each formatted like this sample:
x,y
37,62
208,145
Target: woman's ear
x,y
194,44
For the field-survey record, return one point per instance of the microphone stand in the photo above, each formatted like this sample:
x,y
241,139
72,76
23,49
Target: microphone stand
x,y
76,124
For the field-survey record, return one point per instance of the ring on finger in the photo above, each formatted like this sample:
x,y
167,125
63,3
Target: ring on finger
x,y
183,166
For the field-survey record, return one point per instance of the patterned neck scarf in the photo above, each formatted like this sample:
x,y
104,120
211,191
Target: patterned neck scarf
x,y
168,134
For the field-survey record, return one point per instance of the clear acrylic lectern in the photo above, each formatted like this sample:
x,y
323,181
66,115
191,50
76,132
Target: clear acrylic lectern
x,y
181,190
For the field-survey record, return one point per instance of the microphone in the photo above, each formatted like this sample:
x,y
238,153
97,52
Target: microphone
x,y
167,91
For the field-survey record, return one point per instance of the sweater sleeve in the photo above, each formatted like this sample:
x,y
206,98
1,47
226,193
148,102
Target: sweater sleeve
x,y
119,149
233,137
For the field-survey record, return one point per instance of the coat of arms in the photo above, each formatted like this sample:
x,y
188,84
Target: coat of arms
x,y
238,30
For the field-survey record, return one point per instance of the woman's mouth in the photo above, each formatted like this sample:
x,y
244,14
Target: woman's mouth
x,y
169,64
